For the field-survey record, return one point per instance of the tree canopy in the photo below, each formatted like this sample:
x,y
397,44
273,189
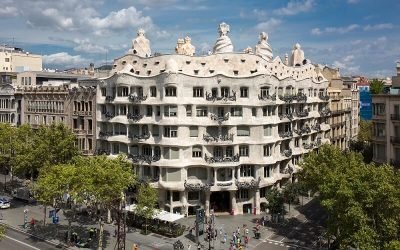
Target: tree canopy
x,y
146,201
362,200
376,86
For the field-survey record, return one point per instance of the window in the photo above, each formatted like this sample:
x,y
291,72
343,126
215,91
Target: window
x,y
379,152
236,111
153,91
264,91
123,91
214,92
170,91
170,131
7,59
197,173
254,112
198,92
379,129
188,110
268,150
243,194
193,195
244,92
267,130
296,142
243,131
247,171
149,111
155,131
267,171
194,131
268,111
229,151
175,196
90,124
244,150
196,152
201,111
378,109
170,111
171,153
225,91
158,111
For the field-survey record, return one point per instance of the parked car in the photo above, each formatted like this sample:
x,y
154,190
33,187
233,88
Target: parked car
x,y
4,203
23,194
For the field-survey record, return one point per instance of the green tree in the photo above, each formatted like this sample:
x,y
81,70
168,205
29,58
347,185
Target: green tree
x,y
365,131
376,86
23,148
146,202
362,200
291,193
275,202
6,137
105,181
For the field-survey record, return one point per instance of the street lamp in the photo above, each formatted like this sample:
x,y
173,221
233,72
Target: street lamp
x,y
25,217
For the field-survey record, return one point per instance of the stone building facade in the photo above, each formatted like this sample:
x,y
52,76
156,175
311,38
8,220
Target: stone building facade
x,y
213,131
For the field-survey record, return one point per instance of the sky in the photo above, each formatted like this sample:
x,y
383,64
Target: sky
x,y
361,37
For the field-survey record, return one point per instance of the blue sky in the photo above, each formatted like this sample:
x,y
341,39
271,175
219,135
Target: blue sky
x,y
357,36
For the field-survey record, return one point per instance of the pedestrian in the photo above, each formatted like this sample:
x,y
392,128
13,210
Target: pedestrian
x,y
246,240
115,232
225,236
198,246
189,247
33,223
238,230
247,231
216,234
91,232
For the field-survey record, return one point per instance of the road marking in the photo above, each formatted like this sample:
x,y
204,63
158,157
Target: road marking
x,y
20,242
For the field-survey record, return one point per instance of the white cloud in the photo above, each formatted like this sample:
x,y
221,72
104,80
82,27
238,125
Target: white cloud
x,y
8,11
337,30
86,46
295,6
347,65
380,26
268,25
64,59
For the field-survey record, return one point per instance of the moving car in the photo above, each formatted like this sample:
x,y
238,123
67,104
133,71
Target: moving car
x,y
4,203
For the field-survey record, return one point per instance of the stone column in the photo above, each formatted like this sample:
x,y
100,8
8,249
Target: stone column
x,y
215,176
233,201
207,204
184,203
257,200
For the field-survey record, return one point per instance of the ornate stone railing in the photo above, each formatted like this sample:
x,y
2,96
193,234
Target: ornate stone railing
x,y
213,159
211,97
197,186
304,130
323,97
219,119
286,134
144,158
289,116
316,127
108,115
136,98
325,112
303,113
287,152
105,134
267,97
219,138
287,170
103,152
109,98
252,184
134,117
139,137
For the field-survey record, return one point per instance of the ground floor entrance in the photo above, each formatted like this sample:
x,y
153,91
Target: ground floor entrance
x,y
220,201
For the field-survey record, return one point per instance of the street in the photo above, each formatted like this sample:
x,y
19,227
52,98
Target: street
x,y
20,241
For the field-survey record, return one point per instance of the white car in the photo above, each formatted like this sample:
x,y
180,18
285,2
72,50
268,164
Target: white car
x,y
4,203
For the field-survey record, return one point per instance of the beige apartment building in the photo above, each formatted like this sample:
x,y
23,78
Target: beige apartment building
x,y
386,124
17,60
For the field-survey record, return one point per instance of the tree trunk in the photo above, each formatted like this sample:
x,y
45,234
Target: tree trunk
x,y
145,226
108,216
44,218
100,246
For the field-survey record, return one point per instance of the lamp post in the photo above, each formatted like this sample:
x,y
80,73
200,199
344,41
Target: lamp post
x,y
25,217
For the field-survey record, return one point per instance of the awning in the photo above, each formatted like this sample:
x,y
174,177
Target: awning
x,y
159,214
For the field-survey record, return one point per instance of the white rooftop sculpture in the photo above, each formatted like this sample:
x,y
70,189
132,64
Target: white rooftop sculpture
x,y
263,49
223,43
185,47
141,45
297,56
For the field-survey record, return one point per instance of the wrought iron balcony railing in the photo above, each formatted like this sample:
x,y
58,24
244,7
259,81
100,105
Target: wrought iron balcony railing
x,y
251,184
219,138
149,179
219,119
109,98
108,115
286,134
105,134
395,140
267,97
325,112
316,127
301,114
136,98
308,145
197,186
300,97
134,117
287,98
225,98
287,170
287,152
304,130
289,116
395,117
139,137
219,159
323,97
144,158
103,152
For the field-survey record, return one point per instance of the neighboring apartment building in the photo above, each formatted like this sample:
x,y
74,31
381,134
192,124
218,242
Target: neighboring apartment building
x,y
215,131
17,60
56,97
351,84
340,103
8,105
386,124
365,99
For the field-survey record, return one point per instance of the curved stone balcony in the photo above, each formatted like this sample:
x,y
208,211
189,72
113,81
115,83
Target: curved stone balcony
x,y
105,134
304,130
225,98
219,138
134,117
197,185
286,134
325,112
287,153
248,184
288,116
316,127
267,97
218,159
302,114
108,115
136,98
110,98
144,158
323,97
219,119
286,170
139,137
